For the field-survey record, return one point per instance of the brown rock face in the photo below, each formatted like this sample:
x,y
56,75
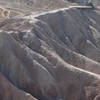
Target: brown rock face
x,y
97,97
54,55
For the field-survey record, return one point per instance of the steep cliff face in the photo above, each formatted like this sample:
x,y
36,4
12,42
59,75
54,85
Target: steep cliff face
x,y
54,55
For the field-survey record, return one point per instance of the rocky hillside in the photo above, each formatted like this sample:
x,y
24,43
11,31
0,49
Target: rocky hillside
x,y
34,5
52,55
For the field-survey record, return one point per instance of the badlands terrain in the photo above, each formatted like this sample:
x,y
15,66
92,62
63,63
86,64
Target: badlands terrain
x,y
50,50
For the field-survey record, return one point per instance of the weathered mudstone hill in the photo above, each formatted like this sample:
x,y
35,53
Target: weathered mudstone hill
x,y
54,55
9,92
